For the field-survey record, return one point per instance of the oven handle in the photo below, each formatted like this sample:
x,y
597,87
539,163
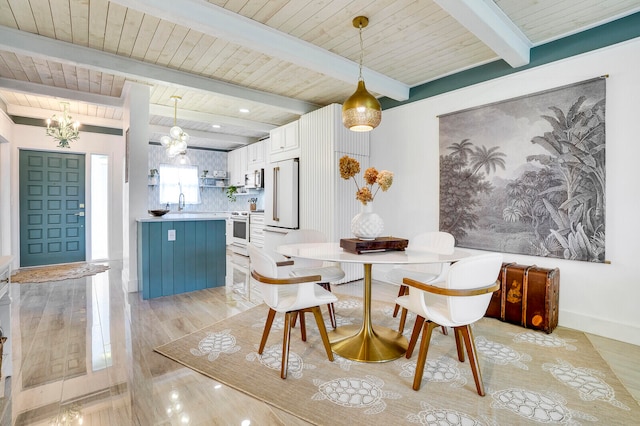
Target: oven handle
x,y
276,174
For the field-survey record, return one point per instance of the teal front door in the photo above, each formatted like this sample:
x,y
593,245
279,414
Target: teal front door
x,y
52,200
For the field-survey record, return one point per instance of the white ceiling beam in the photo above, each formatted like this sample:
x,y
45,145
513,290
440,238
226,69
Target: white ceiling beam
x,y
33,112
220,23
155,129
488,22
60,92
47,48
167,111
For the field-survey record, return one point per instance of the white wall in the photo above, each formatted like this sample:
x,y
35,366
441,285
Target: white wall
x,y
6,126
599,298
34,138
134,193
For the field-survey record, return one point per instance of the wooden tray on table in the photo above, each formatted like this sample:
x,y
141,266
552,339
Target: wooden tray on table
x,y
358,246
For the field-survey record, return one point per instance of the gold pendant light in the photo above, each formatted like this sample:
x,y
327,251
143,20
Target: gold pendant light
x,y
362,111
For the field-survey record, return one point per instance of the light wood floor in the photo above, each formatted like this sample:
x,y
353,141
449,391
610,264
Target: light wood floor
x,y
85,346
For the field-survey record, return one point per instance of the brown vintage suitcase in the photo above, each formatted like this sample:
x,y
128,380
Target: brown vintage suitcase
x,y
528,296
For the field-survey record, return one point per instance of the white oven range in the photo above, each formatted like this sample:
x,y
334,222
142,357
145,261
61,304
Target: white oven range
x,y
240,239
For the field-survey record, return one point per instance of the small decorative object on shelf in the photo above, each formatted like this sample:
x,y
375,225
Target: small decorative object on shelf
x,y
252,203
231,192
205,173
153,176
366,225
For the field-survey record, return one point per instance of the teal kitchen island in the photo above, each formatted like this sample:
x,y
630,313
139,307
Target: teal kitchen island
x,y
182,252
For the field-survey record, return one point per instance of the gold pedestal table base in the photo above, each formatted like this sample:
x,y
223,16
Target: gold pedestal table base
x,y
365,343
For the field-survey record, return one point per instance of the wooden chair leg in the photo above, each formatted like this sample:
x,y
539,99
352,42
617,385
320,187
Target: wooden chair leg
x,y
417,327
294,319
285,344
427,328
459,343
330,308
303,326
267,327
323,331
473,358
444,331
332,315
404,290
403,319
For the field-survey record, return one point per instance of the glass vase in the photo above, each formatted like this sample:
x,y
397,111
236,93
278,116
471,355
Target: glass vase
x,y
367,225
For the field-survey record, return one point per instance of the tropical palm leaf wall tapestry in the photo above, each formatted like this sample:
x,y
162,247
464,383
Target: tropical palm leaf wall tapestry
x,y
527,175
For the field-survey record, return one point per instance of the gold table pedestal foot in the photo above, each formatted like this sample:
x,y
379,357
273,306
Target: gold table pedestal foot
x,y
365,344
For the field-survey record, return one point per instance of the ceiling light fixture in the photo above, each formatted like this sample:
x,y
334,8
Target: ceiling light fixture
x,y
176,143
63,129
362,111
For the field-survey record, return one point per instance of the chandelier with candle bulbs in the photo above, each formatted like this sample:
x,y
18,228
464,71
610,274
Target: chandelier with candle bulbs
x,y
176,142
63,128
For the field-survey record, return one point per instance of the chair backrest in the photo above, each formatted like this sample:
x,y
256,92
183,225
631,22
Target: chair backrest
x,y
301,236
290,296
437,242
264,264
434,242
471,272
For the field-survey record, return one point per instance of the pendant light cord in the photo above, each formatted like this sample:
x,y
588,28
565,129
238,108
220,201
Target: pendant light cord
x,y
361,52
175,111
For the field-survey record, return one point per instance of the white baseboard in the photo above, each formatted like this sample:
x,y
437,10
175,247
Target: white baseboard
x,y
609,329
130,286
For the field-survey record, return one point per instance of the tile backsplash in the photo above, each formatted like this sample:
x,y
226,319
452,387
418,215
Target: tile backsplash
x,y
213,199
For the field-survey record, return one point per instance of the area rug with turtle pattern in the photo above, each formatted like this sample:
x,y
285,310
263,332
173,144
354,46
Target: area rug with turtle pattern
x,y
530,377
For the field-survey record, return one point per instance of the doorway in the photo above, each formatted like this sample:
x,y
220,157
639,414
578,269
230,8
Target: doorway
x,y
98,211
52,208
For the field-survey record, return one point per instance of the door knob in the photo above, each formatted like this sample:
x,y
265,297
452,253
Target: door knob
x,y
80,214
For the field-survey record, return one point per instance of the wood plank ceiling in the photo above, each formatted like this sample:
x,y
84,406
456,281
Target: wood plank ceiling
x,y
277,58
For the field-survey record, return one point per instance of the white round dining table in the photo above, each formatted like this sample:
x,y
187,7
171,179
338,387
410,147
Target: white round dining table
x,y
366,342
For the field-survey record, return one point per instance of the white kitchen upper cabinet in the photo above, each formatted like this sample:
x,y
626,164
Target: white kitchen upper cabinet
x,y
237,161
284,142
256,155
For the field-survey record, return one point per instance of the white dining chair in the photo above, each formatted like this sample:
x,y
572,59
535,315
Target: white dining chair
x,y
329,271
434,242
291,296
458,301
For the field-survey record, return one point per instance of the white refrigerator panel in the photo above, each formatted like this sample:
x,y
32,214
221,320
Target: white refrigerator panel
x,y
281,194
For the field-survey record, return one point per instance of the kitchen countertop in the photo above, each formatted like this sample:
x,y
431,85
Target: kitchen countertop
x,y
173,217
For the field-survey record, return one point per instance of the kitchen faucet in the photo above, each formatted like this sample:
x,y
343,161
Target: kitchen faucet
x,y
181,202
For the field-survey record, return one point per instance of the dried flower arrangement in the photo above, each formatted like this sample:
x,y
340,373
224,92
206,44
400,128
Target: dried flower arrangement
x,y
350,167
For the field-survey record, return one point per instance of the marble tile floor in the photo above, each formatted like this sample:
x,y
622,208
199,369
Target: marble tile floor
x,y
83,352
